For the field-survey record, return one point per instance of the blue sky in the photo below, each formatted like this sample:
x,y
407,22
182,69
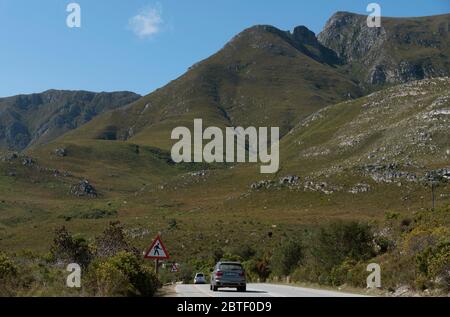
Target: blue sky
x,y
140,45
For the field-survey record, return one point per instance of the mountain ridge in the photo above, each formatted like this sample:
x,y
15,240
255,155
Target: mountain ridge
x,y
401,50
263,76
31,119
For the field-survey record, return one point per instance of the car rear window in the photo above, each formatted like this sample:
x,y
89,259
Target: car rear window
x,y
199,275
230,267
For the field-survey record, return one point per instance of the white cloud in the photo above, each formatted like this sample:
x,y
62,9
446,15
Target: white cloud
x,y
147,22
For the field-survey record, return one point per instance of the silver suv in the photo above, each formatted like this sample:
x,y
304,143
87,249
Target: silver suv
x,y
228,274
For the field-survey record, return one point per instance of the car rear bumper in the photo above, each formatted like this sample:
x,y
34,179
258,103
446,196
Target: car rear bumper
x,y
230,283
199,280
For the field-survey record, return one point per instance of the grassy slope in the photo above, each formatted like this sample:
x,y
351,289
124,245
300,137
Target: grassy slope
x,y
218,209
257,79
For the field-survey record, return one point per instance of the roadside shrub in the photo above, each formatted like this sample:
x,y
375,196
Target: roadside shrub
x,y
423,237
245,252
287,257
257,268
141,277
123,275
187,273
231,257
433,266
7,267
306,273
8,274
106,280
383,244
334,255
341,241
112,241
218,254
67,249
349,272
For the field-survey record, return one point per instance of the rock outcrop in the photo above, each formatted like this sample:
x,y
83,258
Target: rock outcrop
x,y
387,54
83,189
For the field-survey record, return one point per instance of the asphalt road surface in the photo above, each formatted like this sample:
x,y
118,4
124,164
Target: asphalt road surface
x,y
257,290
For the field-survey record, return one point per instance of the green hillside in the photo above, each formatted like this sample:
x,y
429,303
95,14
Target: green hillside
x,y
32,120
352,149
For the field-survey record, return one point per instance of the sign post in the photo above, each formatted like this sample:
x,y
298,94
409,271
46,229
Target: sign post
x,y
157,251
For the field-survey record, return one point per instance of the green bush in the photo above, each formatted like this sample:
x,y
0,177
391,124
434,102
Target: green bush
x,y
306,273
343,241
7,267
333,255
287,257
245,252
231,257
68,249
122,275
106,280
349,272
433,267
187,273
112,241
8,276
141,277
257,268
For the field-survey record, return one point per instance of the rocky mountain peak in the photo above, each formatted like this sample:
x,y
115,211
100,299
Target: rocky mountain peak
x,y
401,50
303,35
301,39
347,34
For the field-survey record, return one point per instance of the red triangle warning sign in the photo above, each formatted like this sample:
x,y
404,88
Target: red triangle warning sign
x,y
157,250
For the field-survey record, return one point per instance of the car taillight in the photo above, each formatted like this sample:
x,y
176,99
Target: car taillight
x,y
219,274
242,274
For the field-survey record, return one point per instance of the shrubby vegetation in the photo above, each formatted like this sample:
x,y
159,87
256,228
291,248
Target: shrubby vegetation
x,y
414,253
287,257
335,251
110,267
67,249
8,272
121,275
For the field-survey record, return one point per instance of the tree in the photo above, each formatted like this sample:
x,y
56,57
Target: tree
x,y
287,257
341,241
68,249
113,241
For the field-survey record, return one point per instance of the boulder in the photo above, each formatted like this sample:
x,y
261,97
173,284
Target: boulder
x,y
27,161
289,180
83,189
61,152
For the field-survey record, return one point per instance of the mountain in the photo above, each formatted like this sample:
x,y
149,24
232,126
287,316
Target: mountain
x,y
344,154
262,77
401,50
355,160
399,133
29,120
268,77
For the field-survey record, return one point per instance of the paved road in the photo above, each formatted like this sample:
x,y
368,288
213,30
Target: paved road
x,y
257,290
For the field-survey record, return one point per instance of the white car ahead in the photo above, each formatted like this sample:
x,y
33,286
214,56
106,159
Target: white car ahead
x,y
199,278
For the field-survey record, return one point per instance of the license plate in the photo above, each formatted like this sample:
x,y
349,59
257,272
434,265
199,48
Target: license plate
x,y
232,274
